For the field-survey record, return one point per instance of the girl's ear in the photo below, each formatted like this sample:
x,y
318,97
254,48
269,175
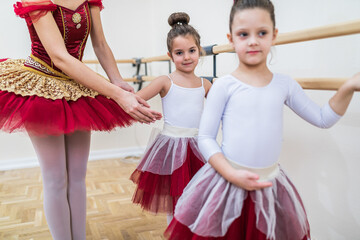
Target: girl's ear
x,y
169,54
274,36
229,37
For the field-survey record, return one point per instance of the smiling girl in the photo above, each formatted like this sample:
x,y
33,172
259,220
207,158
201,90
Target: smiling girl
x,y
173,157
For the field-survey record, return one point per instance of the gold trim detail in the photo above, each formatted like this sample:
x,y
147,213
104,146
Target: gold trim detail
x,y
38,64
26,81
81,50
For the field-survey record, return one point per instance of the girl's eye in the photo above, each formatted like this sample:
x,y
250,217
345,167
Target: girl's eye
x,y
193,50
178,53
262,33
243,34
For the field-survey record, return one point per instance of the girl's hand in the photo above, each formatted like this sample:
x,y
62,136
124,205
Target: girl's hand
x,y
355,81
247,180
341,100
137,108
240,178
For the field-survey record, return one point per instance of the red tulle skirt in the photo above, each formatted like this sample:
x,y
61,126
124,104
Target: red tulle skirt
x,y
242,228
41,116
166,168
213,208
43,104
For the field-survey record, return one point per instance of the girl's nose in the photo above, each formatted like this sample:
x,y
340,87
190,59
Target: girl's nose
x,y
253,41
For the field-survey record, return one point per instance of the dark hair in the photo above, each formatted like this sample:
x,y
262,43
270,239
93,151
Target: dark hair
x,y
179,22
248,4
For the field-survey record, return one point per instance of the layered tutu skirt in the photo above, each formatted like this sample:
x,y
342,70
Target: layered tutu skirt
x,y
169,163
213,208
46,102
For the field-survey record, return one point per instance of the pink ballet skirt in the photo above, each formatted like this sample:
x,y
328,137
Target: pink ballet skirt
x,y
169,163
37,97
213,208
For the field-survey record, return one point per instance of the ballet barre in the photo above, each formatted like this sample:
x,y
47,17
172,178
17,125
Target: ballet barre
x,y
316,33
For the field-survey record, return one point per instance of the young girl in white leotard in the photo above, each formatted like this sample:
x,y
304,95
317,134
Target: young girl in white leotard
x,y
242,192
173,157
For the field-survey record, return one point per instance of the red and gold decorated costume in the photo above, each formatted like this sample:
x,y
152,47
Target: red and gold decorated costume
x,y
38,97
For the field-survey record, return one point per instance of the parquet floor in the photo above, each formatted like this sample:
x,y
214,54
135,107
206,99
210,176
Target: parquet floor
x,y
110,212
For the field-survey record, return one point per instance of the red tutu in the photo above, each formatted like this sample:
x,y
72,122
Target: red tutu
x,y
42,104
242,228
40,116
165,170
213,208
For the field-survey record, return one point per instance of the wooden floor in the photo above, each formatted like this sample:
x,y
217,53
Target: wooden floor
x,y
110,212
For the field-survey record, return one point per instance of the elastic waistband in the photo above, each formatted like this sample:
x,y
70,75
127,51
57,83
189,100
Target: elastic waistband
x,y
174,131
265,174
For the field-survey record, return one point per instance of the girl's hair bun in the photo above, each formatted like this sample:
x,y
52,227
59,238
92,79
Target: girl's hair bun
x,y
178,18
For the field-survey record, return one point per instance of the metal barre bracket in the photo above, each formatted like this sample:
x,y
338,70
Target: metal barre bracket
x,y
139,81
209,50
137,62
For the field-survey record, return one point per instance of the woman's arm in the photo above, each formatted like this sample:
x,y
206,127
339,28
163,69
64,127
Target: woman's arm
x,y
103,51
52,41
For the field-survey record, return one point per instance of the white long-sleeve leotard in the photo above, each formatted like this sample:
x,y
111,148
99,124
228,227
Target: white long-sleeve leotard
x,y
252,118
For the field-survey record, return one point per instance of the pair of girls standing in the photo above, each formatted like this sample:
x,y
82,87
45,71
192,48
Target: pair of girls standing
x,y
242,192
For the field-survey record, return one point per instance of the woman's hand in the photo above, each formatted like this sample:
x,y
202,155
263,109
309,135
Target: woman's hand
x,y
247,180
137,108
124,85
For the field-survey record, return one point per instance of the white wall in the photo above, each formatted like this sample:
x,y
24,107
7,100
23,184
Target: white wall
x,y
323,164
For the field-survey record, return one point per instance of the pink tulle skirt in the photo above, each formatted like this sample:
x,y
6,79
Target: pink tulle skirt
x,y
212,208
168,165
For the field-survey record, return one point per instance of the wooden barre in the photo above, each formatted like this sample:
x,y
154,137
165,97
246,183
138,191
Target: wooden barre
x,y
333,30
305,83
154,59
143,78
321,83
132,61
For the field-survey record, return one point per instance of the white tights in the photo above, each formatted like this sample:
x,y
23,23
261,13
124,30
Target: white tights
x,y
63,161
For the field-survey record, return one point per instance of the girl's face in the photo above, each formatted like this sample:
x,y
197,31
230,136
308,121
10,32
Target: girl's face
x,y
185,54
252,36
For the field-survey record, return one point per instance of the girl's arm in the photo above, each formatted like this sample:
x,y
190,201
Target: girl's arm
x,y
157,86
209,125
341,100
207,86
241,178
330,113
52,41
103,51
